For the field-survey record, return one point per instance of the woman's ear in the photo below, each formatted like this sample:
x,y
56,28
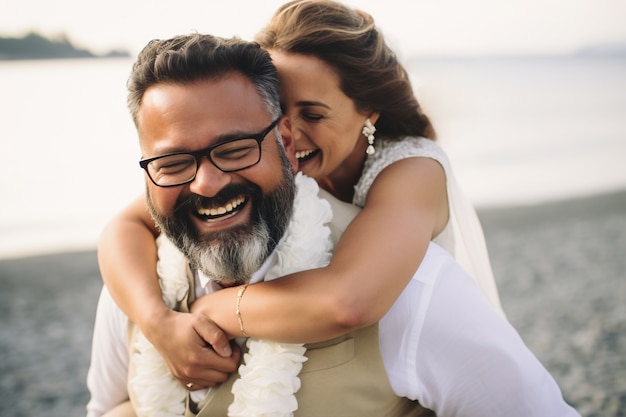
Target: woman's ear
x,y
284,126
374,117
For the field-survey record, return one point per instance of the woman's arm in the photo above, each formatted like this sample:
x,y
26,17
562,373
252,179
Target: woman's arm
x,y
127,256
127,248
374,260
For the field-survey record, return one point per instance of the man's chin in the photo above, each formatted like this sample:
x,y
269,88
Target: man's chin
x,y
227,236
230,256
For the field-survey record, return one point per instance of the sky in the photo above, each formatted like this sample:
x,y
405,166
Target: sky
x,y
417,27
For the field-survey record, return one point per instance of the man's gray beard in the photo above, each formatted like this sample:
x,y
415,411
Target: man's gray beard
x,y
232,256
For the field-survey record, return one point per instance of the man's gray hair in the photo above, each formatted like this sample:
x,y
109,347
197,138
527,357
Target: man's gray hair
x,y
189,58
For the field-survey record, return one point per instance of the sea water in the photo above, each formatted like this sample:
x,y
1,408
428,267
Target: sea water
x,y
517,131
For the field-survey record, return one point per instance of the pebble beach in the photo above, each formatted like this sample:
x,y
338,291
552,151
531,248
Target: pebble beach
x,y
560,268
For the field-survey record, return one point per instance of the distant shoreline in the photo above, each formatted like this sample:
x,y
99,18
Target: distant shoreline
x,y
36,47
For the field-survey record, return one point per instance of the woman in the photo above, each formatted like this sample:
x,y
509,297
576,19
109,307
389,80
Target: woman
x,y
361,134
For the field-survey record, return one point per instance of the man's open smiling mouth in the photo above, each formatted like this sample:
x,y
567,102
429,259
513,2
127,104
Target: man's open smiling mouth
x,y
222,212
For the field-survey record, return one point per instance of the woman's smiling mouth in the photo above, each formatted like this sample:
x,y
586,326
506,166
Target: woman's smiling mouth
x,y
305,155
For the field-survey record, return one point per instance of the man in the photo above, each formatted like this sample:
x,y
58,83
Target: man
x,y
221,188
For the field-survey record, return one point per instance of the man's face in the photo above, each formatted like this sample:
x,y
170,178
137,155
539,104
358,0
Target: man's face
x,y
226,223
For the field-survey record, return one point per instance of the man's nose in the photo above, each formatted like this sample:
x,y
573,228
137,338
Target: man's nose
x,y
209,179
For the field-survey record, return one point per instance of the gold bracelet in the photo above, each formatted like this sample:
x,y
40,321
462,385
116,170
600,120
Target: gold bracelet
x,y
238,312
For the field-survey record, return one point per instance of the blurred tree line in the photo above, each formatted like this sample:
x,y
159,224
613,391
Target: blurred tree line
x,y
35,46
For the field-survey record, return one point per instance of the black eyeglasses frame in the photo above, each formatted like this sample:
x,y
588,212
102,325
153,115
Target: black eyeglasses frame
x,y
206,152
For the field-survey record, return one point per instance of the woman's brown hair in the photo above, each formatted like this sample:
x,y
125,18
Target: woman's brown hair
x,y
348,40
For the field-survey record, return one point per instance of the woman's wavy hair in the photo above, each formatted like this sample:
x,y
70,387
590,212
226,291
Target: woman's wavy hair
x,y
348,40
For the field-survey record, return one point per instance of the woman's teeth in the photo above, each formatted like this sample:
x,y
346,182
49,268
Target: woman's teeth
x,y
301,155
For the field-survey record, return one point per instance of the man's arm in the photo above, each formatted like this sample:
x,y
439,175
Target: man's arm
x,y
108,369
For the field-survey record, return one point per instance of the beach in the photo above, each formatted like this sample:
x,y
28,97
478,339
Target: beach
x,y
561,272
560,269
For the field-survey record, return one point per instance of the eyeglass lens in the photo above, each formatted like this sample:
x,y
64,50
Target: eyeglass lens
x,y
230,156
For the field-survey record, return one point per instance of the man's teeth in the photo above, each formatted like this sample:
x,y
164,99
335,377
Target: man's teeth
x,y
218,211
304,154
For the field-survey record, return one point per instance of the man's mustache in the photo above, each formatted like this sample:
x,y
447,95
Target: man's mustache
x,y
195,202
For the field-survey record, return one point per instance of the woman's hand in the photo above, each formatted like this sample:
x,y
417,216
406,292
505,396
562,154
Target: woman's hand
x,y
194,348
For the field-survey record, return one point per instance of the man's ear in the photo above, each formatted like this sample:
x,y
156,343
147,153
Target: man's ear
x,y
284,126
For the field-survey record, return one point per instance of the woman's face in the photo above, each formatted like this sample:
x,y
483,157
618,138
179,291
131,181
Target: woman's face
x,y
325,124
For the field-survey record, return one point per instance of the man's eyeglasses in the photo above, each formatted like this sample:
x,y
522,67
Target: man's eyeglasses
x,y
181,167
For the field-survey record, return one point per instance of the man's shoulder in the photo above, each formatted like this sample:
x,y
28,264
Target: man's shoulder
x,y
343,213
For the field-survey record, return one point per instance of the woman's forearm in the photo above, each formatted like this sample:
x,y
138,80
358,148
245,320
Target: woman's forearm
x,y
293,309
127,259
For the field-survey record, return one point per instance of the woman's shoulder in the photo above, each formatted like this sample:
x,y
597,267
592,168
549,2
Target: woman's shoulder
x,y
408,147
390,151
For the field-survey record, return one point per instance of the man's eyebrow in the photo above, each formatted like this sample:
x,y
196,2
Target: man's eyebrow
x,y
304,103
237,134
224,137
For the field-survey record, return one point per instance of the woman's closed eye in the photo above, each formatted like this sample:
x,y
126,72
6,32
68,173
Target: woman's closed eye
x,y
312,117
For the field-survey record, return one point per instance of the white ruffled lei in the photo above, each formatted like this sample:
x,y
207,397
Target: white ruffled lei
x,y
269,375
156,390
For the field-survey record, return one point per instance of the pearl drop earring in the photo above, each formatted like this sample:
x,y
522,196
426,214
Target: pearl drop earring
x,y
368,132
